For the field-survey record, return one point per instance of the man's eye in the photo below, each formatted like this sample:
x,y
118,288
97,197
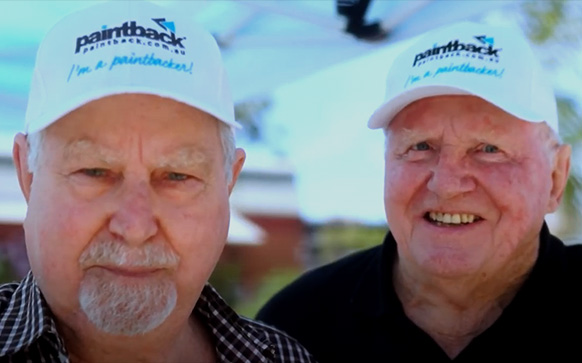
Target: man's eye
x,y
94,172
421,146
177,176
490,149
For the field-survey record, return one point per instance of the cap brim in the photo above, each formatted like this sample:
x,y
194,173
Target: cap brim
x,y
48,118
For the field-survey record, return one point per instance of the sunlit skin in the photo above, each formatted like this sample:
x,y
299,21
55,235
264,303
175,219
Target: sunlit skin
x,y
460,154
138,169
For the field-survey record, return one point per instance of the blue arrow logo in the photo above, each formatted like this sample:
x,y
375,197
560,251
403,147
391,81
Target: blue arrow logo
x,y
166,25
483,39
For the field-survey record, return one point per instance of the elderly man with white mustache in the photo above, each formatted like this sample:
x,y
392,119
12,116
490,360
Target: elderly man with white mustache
x,y
127,164
469,271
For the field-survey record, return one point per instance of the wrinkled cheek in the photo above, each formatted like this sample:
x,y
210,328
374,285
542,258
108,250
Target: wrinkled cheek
x,y
52,240
518,217
398,195
209,225
392,202
199,248
55,234
206,232
399,223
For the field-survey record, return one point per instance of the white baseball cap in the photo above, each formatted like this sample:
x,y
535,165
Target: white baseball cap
x,y
126,47
491,62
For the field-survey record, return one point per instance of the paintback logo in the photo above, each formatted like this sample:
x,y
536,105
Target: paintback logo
x,y
454,48
131,32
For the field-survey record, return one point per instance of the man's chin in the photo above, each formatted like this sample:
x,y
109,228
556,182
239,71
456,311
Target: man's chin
x,y
127,305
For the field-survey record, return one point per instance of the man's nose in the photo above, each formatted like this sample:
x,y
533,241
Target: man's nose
x,y
134,219
450,177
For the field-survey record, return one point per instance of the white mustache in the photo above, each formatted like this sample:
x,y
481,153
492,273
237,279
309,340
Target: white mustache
x,y
117,253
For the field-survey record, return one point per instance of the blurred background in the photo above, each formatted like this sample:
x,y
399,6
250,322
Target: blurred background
x,y
306,75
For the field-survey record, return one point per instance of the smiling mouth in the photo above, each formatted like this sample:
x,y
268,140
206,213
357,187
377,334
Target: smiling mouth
x,y
451,219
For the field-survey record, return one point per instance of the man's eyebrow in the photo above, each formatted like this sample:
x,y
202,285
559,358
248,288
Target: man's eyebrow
x,y
406,135
185,157
86,148
493,136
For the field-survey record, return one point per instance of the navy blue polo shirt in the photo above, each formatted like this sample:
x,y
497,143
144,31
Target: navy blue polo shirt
x,y
348,311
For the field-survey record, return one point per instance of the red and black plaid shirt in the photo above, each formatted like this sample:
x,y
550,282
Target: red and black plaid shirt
x,y
28,332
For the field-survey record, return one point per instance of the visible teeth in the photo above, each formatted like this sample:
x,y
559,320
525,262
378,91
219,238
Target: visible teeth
x,y
455,218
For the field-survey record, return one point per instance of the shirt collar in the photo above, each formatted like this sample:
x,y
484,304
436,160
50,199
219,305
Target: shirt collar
x,y
26,318
372,294
225,325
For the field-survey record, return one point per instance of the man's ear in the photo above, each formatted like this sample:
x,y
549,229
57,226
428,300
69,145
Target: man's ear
x,y
20,152
239,160
560,173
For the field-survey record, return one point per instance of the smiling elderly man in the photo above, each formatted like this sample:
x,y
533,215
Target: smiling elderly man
x,y
127,165
469,271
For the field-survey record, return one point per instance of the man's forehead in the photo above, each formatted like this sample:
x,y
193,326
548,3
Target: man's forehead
x,y
470,123
434,112
463,103
88,148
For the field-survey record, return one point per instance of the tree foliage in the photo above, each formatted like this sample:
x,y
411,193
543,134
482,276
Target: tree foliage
x,y
335,240
250,115
553,22
555,27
